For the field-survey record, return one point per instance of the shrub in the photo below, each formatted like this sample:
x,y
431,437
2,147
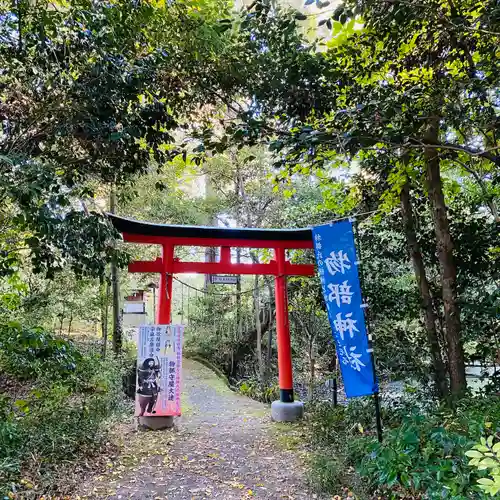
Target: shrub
x,y
327,424
486,456
10,442
329,472
333,430
62,415
260,392
30,352
422,455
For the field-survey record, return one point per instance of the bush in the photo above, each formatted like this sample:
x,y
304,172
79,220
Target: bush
x,y
329,473
30,352
256,390
63,413
486,456
420,455
327,423
333,430
424,454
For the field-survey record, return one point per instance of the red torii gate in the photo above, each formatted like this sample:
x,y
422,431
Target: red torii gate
x,y
170,236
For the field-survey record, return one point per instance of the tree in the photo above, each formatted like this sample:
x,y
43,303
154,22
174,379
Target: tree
x,y
420,98
91,93
424,288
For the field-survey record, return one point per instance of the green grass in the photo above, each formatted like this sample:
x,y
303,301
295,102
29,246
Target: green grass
x,y
289,435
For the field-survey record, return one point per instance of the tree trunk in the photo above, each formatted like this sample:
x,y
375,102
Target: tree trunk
x,y
69,323
269,351
456,363
104,289
425,295
61,321
115,283
239,317
312,367
210,252
256,301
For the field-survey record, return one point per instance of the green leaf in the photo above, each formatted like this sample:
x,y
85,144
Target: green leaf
x,y
473,454
416,480
487,463
6,159
485,481
405,479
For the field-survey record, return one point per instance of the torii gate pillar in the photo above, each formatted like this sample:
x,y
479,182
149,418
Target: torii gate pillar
x,y
283,330
286,409
164,312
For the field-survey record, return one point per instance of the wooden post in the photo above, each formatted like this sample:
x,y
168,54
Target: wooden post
x,y
115,284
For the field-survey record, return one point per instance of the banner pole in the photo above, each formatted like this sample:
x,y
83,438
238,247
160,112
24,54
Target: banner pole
x,y
376,396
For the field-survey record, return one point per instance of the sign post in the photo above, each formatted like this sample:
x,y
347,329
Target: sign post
x,y
338,268
159,364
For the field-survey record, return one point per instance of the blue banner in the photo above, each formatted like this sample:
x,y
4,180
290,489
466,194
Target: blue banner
x,y
338,271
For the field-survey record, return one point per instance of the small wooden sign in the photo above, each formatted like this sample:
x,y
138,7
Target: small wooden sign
x,y
217,279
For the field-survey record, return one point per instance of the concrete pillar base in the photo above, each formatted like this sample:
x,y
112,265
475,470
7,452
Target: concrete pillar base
x,y
287,412
156,423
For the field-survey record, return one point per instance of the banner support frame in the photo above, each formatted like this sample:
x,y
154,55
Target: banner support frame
x,y
376,395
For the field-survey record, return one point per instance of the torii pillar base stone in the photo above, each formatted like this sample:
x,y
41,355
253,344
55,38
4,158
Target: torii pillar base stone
x,y
287,412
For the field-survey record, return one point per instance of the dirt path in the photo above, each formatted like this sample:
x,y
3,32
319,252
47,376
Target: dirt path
x,y
224,446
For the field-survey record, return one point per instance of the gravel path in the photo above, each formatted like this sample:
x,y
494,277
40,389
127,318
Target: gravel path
x,y
224,446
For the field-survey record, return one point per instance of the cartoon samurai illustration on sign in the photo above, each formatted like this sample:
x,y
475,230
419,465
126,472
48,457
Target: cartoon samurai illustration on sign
x,y
148,385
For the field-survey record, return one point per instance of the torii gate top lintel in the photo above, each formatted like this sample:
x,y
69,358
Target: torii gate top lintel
x,y
147,232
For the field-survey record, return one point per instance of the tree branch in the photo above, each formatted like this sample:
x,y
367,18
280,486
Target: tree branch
x,y
419,144
454,147
491,203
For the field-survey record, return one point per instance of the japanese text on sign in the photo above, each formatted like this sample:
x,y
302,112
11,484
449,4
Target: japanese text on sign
x,y
337,268
159,363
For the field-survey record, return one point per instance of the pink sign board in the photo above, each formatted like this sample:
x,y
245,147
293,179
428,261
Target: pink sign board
x,y
159,365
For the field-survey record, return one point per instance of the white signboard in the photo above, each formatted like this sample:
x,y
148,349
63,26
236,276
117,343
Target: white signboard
x,y
134,308
216,279
159,364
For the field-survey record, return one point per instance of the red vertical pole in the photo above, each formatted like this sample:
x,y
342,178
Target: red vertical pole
x,y
283,330
164,314
225,255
